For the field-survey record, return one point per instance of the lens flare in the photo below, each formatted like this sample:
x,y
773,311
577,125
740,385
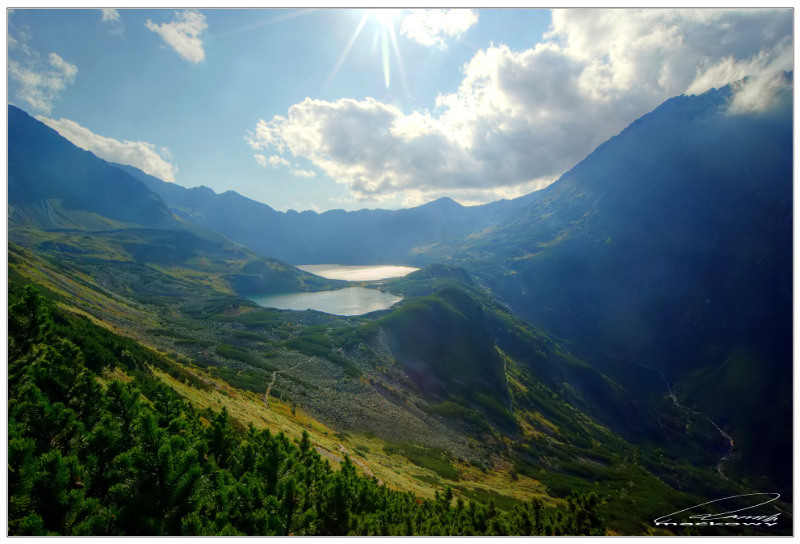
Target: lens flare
x,y
385,35
385,54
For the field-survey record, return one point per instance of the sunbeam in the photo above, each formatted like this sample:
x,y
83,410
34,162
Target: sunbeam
x,y
393,39
385,18
385,57
347,49
268,22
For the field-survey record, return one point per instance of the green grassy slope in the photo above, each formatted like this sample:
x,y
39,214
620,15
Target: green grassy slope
x,y
542,447
528,425
442,340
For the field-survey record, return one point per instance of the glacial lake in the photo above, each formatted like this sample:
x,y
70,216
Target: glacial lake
x,y
348,301
356,272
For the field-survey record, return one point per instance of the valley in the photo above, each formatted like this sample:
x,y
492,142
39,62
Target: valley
x,y
587,357
355,398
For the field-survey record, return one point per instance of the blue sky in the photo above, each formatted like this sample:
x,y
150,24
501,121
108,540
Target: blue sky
x,y
334,108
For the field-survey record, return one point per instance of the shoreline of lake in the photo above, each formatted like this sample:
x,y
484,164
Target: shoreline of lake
x,y
348,301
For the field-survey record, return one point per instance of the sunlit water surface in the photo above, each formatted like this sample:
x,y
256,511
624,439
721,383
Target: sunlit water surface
x,y
357,273
348,301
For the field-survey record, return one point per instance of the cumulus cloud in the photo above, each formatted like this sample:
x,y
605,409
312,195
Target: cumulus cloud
x,y
758,94
142,155
183,34
519,119
40,82
432,27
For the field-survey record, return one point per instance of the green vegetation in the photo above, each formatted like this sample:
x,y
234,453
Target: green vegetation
x,y
261,318
429,280
241,354
249,380
264,276
434,459
315,341
89,456
457,412
556,440
245,335
444,343
113,429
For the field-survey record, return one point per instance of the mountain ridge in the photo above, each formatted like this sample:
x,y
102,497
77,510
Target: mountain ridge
x,y
670,246
355,237
589,333
104,189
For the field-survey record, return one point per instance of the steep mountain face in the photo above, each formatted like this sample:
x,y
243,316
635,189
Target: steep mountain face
x,y
669,247
456,344
682,223
68,202
336,236
445,344
53,184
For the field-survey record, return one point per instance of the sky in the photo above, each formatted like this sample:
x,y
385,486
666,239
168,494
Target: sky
x,y
355,108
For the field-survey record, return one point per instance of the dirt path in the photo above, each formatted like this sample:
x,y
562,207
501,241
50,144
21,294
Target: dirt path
x,y
274,377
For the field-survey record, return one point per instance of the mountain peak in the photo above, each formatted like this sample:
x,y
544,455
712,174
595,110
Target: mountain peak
x,y
53,183
445,203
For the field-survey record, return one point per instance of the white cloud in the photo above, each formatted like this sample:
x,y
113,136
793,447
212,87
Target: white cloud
x,y
41,82
112,18
519,119
37,80
142,155
19,39
757,94
110,15
67,70
432,27
304,173
273,161
276,161
183,34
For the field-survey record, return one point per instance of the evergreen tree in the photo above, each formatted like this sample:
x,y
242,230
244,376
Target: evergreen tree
x,y
100,457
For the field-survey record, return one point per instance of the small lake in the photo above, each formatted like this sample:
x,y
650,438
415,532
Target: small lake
x,y
348,301
357,272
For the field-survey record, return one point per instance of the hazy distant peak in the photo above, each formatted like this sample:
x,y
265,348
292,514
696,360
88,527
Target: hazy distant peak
x,y
444,202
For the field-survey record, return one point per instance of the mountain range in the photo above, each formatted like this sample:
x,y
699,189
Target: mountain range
x,y
635,313
333,236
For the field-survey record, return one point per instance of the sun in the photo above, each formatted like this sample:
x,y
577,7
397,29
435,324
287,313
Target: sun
x,y
386,16
385,20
